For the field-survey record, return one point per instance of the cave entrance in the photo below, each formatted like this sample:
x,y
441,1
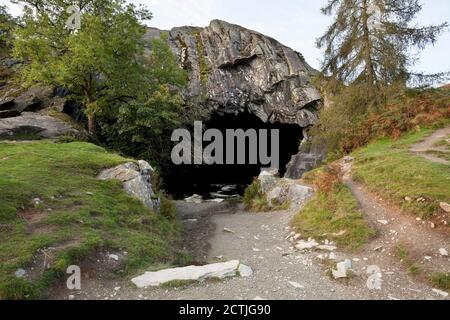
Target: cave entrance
x,y
212,181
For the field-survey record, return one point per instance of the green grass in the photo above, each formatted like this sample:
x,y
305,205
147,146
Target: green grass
x,y
444,143
325,216
441,280
203,64
388,168
255,201
402,253
76,209
440,154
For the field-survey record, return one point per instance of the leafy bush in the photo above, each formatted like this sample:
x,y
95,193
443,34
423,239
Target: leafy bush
x,y
353,119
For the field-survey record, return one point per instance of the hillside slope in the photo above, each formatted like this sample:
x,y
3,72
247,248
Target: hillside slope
x,y
54,213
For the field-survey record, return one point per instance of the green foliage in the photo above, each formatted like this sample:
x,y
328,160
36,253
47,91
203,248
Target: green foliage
x,y
353,118
370,41
390,169
441,280
203,64
408,262
333,213
78,214
254,200
7,24
101,62
143,127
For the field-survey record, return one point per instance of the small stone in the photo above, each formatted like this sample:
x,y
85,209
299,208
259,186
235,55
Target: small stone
x,y
443,252
114,257
441,293
348,159
383,222
332,256
428,258
245,271
327,247
256,250
445,206
342,269
304,245
20,273
71,297
258,298
408,199
228,230
378,248
296,285
116,288
89,193
197,199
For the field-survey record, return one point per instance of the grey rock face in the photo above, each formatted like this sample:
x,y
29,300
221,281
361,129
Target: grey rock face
x,y
34,125
32,100
235,69
287,190
135,179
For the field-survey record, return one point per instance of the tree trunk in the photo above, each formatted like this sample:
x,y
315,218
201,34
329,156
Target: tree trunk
x,y
370,71
92,126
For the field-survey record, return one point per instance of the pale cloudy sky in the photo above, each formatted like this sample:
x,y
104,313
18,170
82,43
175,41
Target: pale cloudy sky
x,y
295,23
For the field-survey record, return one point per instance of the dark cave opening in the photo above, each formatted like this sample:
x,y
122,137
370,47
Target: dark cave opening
x,y
208,180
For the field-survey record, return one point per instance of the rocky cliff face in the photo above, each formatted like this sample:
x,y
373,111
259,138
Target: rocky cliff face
x,y
233,69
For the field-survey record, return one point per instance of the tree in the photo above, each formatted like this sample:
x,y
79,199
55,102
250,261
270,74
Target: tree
x,y
7,23
101,62
143,127
370,41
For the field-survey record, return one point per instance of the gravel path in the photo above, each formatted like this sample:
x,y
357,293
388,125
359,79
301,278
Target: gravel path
x,y
280,272
259,240
421,148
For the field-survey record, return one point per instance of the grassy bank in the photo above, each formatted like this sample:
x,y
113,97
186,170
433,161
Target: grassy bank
x,y
49,197
332,213
410,181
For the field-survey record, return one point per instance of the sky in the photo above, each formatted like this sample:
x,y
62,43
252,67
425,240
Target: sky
x,y
295,23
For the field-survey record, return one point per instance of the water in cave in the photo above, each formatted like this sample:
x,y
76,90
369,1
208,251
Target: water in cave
x,y
212,181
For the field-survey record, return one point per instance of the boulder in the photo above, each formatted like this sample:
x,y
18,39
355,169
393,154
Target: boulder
x,y
9,113
34,126
6,104
135,179
190,273
290,191
34,99
267,179
234,70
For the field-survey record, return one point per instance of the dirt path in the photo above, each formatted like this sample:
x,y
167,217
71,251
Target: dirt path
x,y
395,230
423,147
259,240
